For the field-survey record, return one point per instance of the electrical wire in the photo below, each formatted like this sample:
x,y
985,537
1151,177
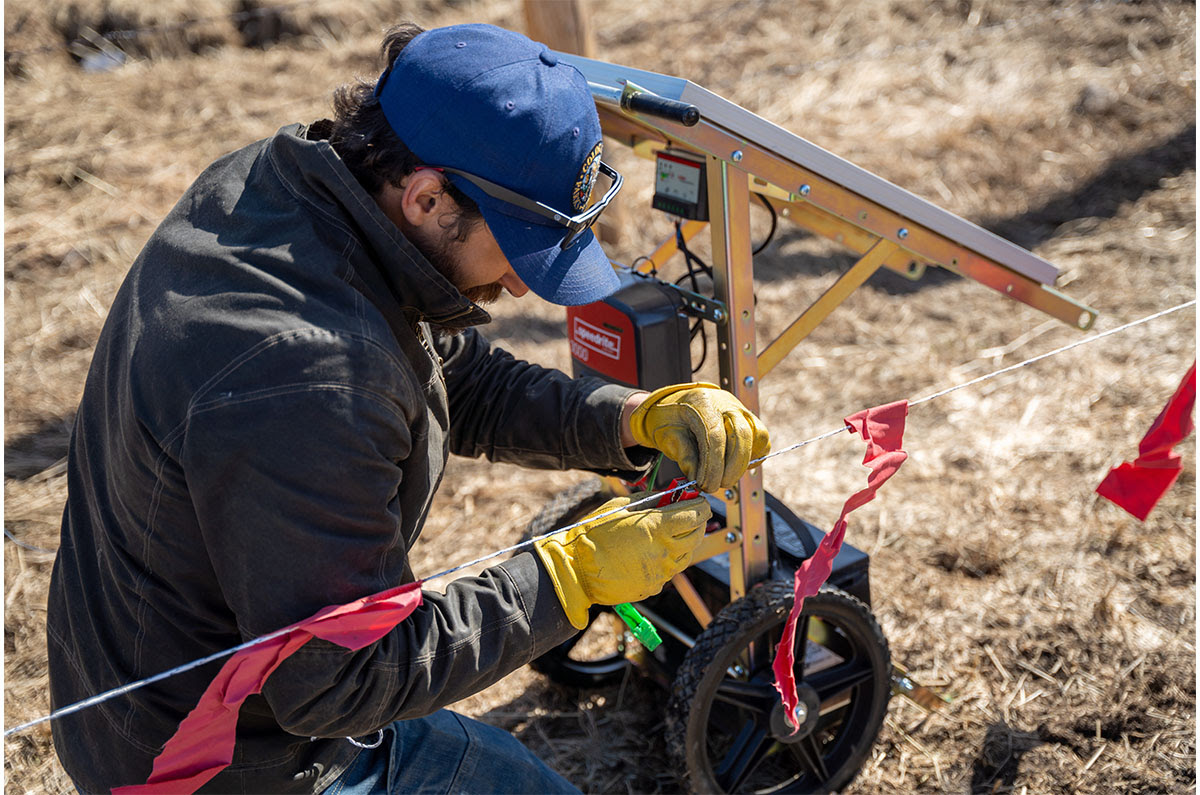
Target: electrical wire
x,y
774,224
693,264
651,498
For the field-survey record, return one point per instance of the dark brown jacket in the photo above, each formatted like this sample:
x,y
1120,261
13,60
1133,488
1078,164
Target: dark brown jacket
x,y
264,425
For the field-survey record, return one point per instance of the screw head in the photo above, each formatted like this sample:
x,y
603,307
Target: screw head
x,y
718,315
730,537
737,155
799,714
749,382
804,190
902,233
729,495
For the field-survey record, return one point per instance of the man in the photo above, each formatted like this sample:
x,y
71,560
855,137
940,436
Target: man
x,y
271,403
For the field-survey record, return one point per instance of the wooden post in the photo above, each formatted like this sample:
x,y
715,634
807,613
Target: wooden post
x,y
561,25
565,25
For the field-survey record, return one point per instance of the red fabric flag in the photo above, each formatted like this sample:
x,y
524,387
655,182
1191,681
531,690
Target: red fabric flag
x,y
1137,486
203,744
883,429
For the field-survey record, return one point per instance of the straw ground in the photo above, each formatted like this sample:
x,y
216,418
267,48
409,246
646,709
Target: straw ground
x,y
1063,629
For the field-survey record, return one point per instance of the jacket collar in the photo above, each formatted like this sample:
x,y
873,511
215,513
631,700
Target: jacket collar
x,y
328,186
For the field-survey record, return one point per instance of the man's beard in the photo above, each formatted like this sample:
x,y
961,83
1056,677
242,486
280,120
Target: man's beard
x,y
443,255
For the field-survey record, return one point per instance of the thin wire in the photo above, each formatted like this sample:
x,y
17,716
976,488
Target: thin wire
x,y
1075,344
196,663
652,497
23,545
102,697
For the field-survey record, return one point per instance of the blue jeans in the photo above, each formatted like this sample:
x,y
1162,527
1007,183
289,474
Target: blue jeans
x,y
447,753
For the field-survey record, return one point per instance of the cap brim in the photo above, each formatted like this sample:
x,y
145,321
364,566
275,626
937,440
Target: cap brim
x,y
579,275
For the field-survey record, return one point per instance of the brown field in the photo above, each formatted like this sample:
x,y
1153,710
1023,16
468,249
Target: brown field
x,y
1063,629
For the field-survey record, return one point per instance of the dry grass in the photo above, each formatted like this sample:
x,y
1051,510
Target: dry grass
x,y
1063,629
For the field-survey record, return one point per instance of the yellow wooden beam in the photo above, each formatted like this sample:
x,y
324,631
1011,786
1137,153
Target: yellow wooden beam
x,y
802,326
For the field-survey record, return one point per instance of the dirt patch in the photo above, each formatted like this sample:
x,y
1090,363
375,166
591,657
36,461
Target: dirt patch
x,y
1063,629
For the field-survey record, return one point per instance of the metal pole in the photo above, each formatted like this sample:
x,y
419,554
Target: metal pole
x,y
733,272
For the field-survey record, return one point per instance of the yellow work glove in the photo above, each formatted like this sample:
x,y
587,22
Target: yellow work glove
x,y
625,557
704,429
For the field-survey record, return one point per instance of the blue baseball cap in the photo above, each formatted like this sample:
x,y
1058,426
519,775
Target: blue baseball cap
x,y
494,104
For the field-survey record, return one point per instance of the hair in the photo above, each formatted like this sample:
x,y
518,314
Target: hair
x,y
370,148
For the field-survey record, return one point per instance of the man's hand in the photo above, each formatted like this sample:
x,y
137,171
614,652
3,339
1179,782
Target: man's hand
x,y
704,429
625,557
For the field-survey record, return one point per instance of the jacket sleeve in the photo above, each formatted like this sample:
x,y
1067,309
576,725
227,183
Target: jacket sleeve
x,y
308,492
521,413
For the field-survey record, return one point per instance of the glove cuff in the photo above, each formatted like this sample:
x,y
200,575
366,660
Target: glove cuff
x,y
560,568
637,420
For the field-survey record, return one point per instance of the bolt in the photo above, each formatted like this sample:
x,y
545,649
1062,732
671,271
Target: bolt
x,y
737,155
730,494
804,190
731,537
749,382
739,670
800,713
903,233
718,315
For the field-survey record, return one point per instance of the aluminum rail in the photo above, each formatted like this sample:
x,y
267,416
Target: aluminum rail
x,y
607,81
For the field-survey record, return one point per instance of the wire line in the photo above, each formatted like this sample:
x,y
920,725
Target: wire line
x,y
653,497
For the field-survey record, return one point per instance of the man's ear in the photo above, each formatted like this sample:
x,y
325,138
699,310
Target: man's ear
x,y
422,199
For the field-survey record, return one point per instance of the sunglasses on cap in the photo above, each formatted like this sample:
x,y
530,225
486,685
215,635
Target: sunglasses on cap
x,y
576,225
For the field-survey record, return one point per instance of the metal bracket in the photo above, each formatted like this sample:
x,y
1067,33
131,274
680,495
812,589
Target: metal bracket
x,y
701,306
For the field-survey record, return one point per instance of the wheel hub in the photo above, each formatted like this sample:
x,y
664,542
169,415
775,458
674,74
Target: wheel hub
x,y
805,716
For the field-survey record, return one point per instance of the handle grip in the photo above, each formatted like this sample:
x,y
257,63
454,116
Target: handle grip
x,y
653,105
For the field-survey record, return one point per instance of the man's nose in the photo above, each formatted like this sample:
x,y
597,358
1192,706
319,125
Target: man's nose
x,y
511,282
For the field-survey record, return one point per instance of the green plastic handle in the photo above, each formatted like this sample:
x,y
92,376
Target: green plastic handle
x,y
642,629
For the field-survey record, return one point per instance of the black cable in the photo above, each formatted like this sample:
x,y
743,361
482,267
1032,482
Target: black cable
x,y
703,345
774,224
693,263
691,258
653,268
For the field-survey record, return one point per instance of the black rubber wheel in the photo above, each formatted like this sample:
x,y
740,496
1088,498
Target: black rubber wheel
x,y
594,657
725,723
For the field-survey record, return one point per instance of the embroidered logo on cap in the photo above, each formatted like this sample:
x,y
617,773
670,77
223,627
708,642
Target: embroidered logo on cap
x,y
587,178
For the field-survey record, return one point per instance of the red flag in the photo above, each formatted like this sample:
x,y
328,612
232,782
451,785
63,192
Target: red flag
x,y
1137,486
883,428
203,744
